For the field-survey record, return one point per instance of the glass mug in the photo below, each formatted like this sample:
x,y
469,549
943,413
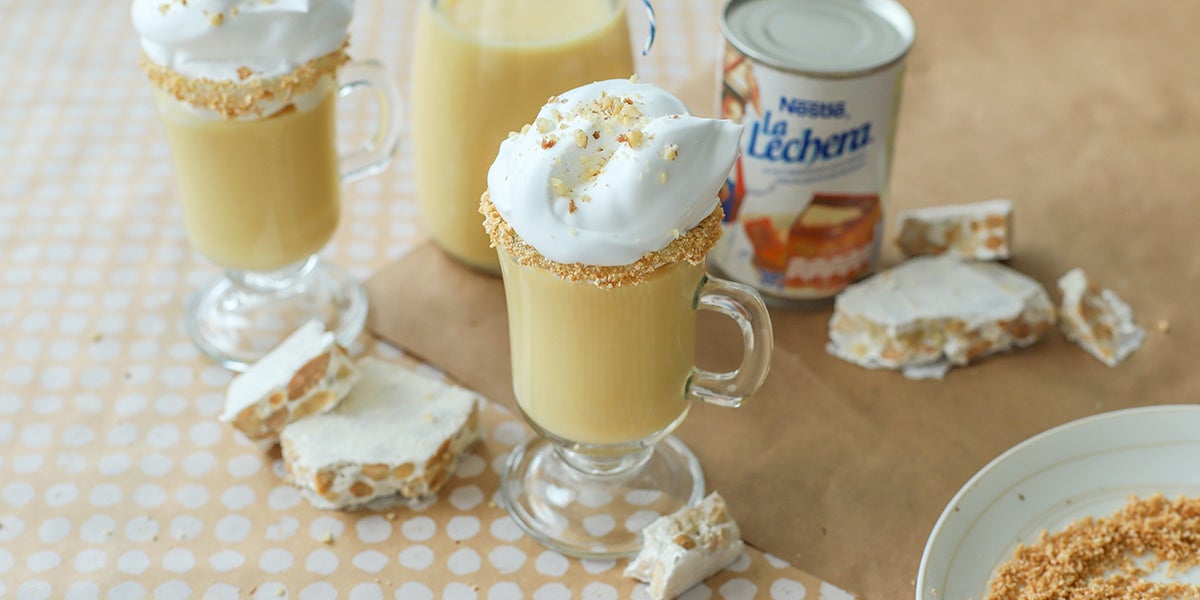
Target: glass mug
x,y
260,197
604,375
480,68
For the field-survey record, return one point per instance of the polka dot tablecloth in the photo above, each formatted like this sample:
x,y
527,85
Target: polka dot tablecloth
x,y
116,479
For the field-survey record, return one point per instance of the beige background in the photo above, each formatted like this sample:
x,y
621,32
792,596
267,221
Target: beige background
x,y
116,480
1087,115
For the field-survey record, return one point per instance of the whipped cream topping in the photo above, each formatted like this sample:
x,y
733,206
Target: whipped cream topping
x,y
611,171
237,39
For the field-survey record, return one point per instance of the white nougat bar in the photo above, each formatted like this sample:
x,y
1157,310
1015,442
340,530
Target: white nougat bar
x,y
937,308
684,548
980,230
1097,320
308,373
398,433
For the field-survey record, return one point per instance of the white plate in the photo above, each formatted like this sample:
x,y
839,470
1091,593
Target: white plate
x,y
1085,467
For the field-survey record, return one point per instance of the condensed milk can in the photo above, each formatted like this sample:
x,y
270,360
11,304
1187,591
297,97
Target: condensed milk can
x,y
817,85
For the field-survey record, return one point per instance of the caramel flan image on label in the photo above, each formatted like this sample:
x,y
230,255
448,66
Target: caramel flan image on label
x,y
833,224
770,250
828,245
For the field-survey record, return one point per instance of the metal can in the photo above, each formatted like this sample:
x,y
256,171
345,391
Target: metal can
x,y
817,85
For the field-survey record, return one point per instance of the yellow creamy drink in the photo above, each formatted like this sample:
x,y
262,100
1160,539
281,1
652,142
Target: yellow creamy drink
x,y
481,68
257,194
247,93
627,380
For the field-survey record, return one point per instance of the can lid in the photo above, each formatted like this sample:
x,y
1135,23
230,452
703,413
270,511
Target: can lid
x,y
827,37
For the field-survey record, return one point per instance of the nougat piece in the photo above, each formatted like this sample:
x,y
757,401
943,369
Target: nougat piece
x,y
939,308
306,374
1097,320
397,433
980,230
686,547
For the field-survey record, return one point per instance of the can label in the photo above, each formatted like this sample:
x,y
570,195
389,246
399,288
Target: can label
x,y
803,204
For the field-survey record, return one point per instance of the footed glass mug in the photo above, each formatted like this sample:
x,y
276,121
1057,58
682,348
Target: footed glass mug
x,y
604,375
261,196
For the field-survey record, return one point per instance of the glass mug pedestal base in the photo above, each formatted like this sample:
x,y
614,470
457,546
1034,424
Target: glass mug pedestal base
x,y
238,318
597,509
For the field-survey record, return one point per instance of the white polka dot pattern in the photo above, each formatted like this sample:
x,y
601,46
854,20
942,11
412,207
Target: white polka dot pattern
x,y
116,480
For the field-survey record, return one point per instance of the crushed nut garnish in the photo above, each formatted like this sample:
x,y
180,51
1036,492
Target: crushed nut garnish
x,y
558,186
635,138
633,78
671,152
1095,558
571,208
244,73
596,134
217,19
630,113
581,138
548,142
544,125
685,541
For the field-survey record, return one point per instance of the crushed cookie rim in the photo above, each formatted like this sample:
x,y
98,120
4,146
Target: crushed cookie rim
x,y
691,246
235,99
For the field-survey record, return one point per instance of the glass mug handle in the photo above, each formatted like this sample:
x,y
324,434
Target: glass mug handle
x,y
742,304
373,156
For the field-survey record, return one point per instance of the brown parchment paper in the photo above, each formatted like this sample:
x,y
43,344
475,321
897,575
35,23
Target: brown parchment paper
x,y
1087,115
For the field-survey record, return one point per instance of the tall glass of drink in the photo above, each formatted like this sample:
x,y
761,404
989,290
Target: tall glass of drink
x,y
247,91
603,211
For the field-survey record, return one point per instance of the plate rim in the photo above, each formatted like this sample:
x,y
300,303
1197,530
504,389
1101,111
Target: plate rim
x,y
1017,448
